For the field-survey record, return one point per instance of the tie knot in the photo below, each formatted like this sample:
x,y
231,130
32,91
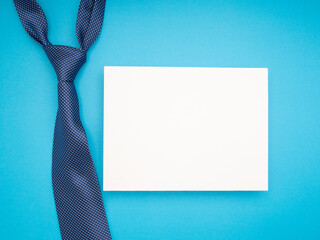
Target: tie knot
x,y
66,61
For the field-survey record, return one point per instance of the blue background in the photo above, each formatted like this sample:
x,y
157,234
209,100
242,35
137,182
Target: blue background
x,y
281,35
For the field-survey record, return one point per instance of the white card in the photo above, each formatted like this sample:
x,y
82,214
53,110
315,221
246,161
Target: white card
x,y
185,129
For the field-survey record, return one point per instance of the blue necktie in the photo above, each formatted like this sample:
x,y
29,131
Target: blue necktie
x,y
77,194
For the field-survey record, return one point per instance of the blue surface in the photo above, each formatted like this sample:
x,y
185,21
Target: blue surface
x,y
281,35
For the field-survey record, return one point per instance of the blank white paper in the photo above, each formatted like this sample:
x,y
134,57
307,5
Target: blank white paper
x,y
185,129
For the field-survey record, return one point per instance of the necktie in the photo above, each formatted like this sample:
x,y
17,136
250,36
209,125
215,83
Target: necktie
x,y
76,190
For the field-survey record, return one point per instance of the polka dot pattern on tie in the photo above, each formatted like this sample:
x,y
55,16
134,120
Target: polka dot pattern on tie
x,y
78,199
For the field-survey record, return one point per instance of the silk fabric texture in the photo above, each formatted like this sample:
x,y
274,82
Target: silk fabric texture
x,y
77,195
